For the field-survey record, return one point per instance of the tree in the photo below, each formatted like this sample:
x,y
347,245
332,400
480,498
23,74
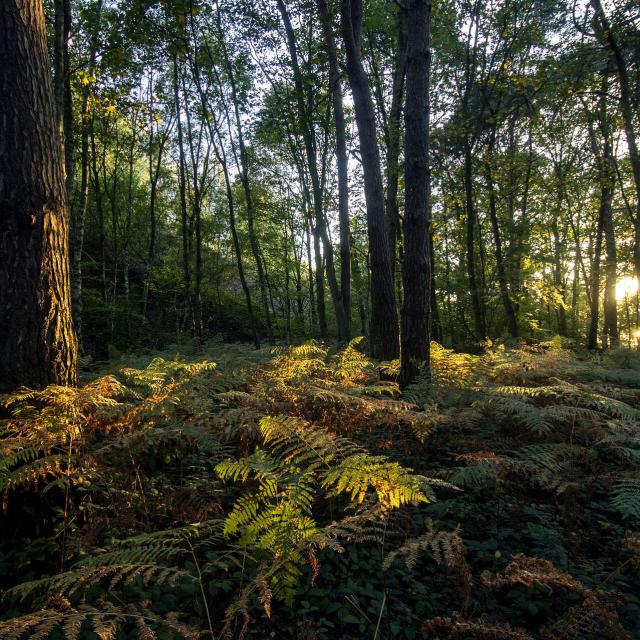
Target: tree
x,y
384,314
37,342
416,266
608,39
335,87
312,164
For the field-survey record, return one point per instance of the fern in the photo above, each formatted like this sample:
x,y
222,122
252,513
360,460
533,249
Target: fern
x,y
105,621
351,365
160,372
475,476
302,460
625,498
446,547
393,485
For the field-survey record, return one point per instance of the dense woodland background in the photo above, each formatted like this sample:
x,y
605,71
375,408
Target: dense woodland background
x,y
319,319
534,194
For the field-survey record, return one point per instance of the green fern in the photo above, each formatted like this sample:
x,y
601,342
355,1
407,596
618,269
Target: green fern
x,y
625,498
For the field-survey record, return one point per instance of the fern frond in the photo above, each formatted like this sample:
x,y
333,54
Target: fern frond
x,y
625,498
446,546
394,485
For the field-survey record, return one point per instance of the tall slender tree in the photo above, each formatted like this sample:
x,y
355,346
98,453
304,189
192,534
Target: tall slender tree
x,y
384,336
335,86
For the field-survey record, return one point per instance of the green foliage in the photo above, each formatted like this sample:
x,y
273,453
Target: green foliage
x,y
176,497
301,461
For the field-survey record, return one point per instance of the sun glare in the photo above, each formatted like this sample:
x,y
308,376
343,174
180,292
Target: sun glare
x,y
626,286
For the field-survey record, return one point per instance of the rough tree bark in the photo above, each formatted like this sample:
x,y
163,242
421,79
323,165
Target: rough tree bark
x,y
37,342
416,266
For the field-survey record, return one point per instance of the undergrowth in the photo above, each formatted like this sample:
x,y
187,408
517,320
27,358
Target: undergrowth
x,y
299,494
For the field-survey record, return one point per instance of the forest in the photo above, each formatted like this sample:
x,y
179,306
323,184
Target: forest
x,y
319,319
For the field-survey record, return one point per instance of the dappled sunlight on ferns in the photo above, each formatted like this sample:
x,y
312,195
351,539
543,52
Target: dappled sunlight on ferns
x,y
238,484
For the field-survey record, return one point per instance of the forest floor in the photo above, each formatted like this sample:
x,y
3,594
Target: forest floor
x,y
298,494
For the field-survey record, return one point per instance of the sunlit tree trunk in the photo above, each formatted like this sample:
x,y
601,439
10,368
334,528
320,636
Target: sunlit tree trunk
x,y
37,341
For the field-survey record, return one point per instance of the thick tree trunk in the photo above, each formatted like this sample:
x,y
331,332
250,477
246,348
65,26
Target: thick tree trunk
x,y
384,338
37,342
416,267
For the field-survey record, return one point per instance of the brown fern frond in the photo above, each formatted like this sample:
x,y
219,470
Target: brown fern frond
x,y
529,571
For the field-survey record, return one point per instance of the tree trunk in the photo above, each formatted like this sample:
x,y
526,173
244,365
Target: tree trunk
x,y
341,161
99,208
182,186
607,181
246,185
592,336
393,143
558,279
37,342
435,329
310,149
154,176
608,39
509,310
213,126
416,266
471,223
62,88
384,314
